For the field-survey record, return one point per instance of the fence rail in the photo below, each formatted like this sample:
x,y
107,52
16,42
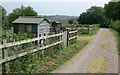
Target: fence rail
x,y
37,48
72,37
73,31
28,40
27,52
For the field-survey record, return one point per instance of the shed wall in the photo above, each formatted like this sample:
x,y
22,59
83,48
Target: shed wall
x,y
43,28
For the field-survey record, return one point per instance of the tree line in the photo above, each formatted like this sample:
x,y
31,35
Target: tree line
x,y
101,15
94,15
105,16
22,11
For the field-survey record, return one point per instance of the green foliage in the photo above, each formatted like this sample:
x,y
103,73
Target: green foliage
x,y
94,15
22,11
3,17
116,25
117,35
35,62
19,48
85,30
95,30
112,10
71,21
19,37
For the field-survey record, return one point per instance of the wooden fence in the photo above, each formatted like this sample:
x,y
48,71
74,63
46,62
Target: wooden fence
x,y
63,37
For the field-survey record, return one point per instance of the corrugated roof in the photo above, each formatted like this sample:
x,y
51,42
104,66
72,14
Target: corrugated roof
x,y
29,20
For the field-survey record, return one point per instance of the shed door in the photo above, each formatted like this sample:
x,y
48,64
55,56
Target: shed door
x,y
29,28
34,28
21,28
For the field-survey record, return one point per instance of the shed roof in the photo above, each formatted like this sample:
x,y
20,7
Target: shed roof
x,y
56,22
29,20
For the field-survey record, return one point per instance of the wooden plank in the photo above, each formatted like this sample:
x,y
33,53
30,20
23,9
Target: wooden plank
x,y
25,53
73,32
28,41
1,46
72,37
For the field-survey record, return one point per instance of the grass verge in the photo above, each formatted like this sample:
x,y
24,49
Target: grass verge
x,y
117,36
53,58
65,55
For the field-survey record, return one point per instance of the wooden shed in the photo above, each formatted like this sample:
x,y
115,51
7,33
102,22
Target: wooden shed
x,y
56,26
38,26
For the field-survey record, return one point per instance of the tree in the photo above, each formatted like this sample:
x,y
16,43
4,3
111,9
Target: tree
x,y
112,10
3,17
22,11
94,15
71,21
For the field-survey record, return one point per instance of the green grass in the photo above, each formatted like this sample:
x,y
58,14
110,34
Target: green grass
x,y
73,25
65,55
53,58
99,65
92,32
117,35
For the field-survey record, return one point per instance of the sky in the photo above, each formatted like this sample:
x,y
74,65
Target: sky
x,y
54,7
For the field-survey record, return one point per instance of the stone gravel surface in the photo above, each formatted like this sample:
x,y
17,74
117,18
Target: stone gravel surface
x,y
102,45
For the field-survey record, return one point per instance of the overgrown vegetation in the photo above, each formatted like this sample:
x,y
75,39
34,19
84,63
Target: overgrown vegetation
x,y
117,35
116,26
52,59
85,30
112,12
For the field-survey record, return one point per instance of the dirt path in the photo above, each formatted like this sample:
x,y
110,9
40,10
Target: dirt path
x,y
100,56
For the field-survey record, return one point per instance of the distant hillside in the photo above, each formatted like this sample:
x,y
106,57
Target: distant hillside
x,y
61,18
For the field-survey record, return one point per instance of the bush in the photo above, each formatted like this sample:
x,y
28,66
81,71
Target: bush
x,y
85,31
116,25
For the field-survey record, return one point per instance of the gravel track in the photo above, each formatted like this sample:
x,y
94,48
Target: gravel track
x,y
103,45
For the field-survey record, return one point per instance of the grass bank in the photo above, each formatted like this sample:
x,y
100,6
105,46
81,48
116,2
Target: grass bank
x,y
117,35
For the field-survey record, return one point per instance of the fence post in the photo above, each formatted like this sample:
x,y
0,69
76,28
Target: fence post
x,y
76,34
64,38
42,44
4,55
5,66
34,41
68,35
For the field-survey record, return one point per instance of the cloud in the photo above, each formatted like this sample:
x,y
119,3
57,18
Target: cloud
x,y
56,1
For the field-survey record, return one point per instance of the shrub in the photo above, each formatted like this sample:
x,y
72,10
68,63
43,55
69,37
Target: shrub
x,y
116,25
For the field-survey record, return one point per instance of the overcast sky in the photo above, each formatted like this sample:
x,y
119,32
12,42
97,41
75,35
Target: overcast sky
x,y
54,7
